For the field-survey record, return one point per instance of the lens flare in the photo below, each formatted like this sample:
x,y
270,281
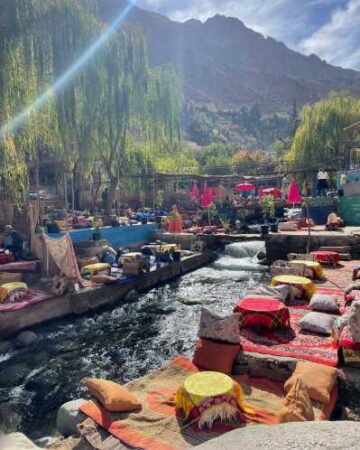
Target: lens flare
x,y
17,121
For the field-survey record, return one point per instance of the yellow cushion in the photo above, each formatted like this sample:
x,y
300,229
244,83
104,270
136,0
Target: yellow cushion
x,y
12,291
317,379
96,269
297,407
130,257
113,396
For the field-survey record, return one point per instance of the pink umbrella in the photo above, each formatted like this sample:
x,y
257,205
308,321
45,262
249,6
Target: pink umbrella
x,y
294,196
244,187
195,193
275,192
207,197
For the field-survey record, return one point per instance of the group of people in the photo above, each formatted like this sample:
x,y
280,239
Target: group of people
x,y
322,178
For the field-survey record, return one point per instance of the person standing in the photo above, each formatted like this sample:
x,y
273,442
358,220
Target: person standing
x,y
105,197
285,183
343,182
322,178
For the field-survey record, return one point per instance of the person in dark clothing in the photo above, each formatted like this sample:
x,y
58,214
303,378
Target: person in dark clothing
x,y
13,242
105,196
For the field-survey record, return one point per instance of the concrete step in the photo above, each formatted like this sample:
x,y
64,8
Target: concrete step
x,y
338,249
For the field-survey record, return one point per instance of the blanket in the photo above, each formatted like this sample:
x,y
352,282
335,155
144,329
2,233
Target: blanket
x,y
33,297
20,266
291,342
159,427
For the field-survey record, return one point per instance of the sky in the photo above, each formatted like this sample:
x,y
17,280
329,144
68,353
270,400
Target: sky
x,y
327,28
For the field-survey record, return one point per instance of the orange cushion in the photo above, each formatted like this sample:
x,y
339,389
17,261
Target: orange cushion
x,y
214,356
297,407
112,396
318,380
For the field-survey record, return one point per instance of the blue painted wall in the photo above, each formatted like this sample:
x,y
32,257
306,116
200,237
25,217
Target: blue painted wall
x,y
118,237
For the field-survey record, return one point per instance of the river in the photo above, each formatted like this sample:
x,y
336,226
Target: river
x,y
119,344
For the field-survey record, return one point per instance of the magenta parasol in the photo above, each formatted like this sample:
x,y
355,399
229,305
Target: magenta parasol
x,y
207,197
294,196
195,193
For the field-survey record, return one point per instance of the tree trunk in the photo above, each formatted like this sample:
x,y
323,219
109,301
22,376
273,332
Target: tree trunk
x,y
112,189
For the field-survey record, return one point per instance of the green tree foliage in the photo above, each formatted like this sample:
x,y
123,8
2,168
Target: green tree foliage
x,y
319,136
215,159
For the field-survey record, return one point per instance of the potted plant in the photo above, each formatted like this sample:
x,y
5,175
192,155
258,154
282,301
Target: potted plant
x,y
267,204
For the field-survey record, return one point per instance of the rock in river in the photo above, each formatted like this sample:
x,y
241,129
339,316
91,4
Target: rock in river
x,y
69,417
25,339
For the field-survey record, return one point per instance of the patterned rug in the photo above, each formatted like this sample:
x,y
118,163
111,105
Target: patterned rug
x,y
291,342
158,426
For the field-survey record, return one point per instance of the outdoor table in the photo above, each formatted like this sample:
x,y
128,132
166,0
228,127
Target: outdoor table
x,y
303,284
263,311
315,268
326,257
208,396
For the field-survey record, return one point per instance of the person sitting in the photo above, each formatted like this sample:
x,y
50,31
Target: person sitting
x,y
334,222
175,221
13,242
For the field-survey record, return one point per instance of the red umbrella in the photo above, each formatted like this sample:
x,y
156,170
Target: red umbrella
x,y
207,197
195,193
275,192
244,187
294,196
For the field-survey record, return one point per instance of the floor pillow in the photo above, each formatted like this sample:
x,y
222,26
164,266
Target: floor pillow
x,y
224,329
317,322
13,292
354,321
297,407
325,302
215,356
317,379
113,396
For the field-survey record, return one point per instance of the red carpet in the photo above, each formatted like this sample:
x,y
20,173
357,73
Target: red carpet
x,y
291,342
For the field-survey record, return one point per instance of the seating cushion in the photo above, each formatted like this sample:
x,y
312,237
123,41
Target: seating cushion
x,y
215,356
13,292
297,405
325,302
113,396
317,379
224,329
317,322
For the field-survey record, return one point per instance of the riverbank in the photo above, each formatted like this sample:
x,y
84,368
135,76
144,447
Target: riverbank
x,y
94,298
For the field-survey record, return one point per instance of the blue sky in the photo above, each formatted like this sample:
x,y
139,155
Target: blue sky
x,y
328,28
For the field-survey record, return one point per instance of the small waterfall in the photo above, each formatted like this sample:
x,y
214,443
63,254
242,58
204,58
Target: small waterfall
x,y
241,257
244,249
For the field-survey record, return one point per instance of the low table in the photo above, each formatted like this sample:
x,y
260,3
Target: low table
x,y
315,267
265,312
326,257
305,285
208,396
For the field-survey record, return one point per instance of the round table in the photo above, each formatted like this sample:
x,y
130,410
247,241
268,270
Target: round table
x,y
207,396
305,285
326,257
315,268
263,311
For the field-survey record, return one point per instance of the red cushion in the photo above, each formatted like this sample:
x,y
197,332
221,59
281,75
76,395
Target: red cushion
x,y
214,356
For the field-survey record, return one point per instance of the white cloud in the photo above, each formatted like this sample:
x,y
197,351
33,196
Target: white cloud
x,y
338,41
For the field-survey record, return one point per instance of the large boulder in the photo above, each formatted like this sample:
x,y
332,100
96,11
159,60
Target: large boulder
x,y
289,436
16,441
25,339
69,417
13,375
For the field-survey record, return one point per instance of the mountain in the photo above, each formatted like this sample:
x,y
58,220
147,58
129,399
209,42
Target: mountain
x,y
224,64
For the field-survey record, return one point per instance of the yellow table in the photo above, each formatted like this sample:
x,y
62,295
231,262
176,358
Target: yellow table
x,y
208,396
305,285
315,267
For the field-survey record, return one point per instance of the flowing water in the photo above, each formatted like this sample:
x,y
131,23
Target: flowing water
x,y
121,344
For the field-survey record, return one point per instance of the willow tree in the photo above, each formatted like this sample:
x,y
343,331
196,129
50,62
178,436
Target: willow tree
x,y
319,136
134,105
